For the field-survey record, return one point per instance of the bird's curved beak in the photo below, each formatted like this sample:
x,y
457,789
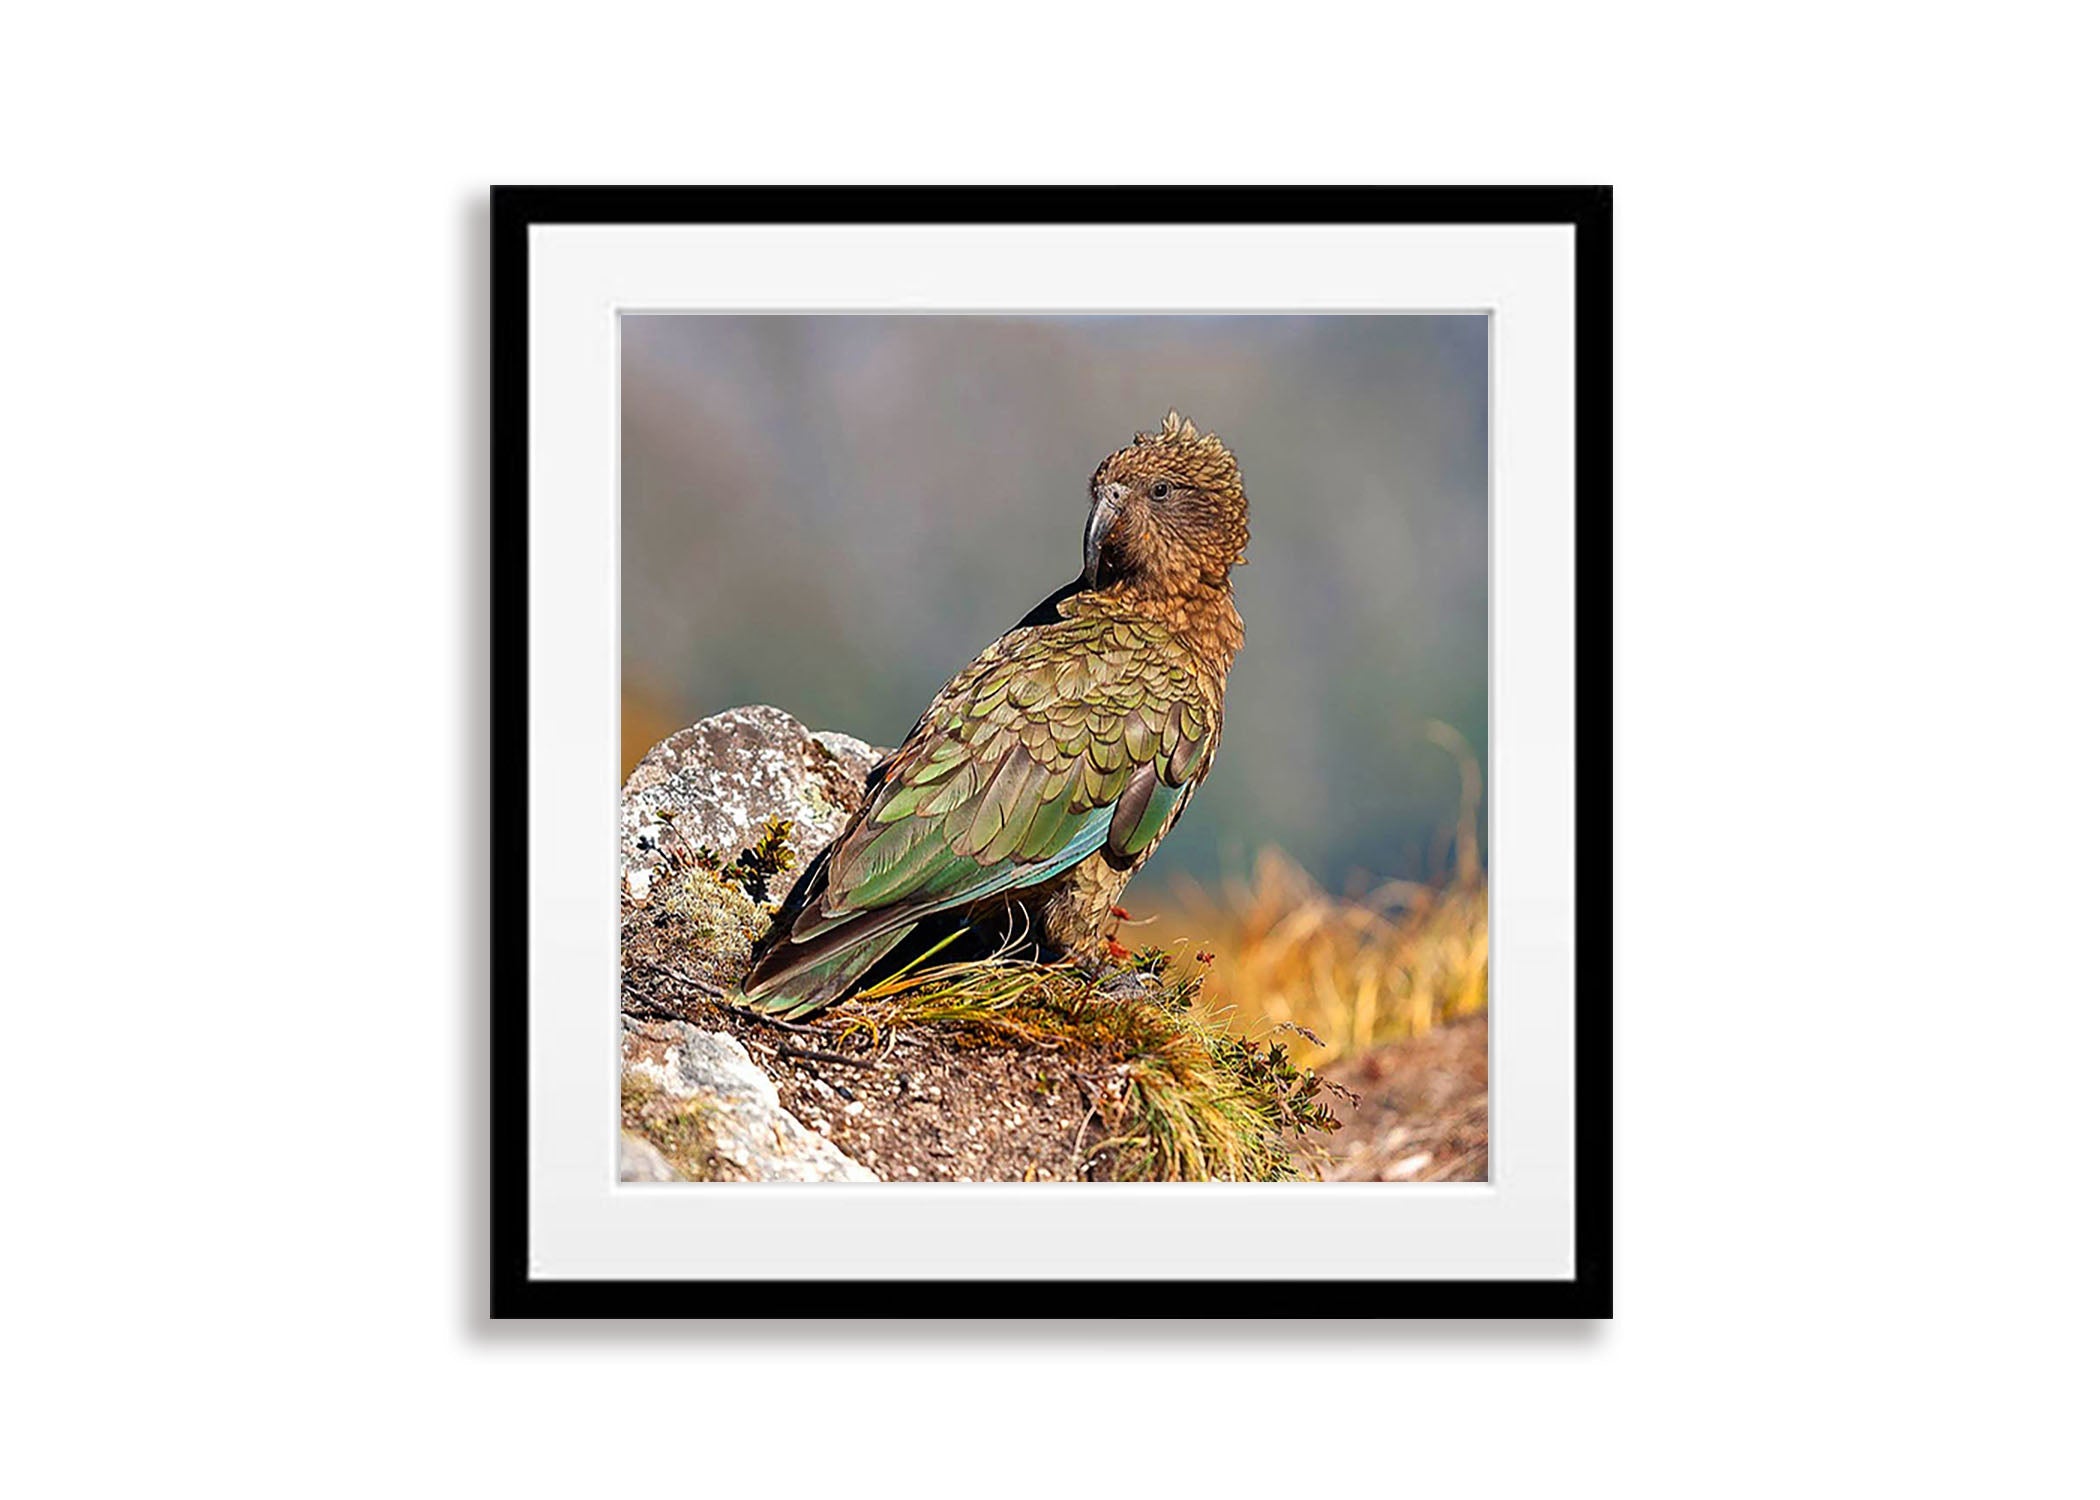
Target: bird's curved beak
x,y
1108,504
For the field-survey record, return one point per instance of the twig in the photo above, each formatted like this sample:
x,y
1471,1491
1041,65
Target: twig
x,y
651,1005
704,986
1079,1163
828,1057
799,1027
713,992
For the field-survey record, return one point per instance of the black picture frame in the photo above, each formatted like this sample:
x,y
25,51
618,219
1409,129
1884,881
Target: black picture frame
x,y
514,211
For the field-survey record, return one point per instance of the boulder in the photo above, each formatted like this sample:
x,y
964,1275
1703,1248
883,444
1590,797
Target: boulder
x,y
694,817
642,1162
694,1104
717,1117
715,785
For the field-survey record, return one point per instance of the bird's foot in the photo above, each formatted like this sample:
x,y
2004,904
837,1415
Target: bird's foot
x,y
1108,971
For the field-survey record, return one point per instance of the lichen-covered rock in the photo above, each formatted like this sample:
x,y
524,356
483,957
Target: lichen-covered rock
x,y
698,1100
714,786
642,1162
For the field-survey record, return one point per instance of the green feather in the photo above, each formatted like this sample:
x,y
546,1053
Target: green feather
x,y
951,796
902,804
941,762
866,888
1050,827
1064,738
1159,807
805,988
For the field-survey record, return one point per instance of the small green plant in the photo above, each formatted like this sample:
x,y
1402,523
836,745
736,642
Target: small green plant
x,y
773,853
752,871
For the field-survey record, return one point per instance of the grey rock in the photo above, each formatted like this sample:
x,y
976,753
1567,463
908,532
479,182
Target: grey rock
x,y
731,1124
700,1108
642,1162
715,784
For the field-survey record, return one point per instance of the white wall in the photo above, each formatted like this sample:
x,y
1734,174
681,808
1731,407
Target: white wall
x,y
242,589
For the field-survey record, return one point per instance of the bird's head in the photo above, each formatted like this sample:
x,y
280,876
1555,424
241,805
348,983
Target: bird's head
x,y
1169,517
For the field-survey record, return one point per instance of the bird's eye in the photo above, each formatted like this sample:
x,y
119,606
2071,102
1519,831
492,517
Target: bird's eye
x,y
1161,489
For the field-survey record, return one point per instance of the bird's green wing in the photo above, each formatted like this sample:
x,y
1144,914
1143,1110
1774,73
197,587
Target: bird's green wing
x,y
1065,738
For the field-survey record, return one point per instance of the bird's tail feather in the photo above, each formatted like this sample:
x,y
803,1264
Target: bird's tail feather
x,y
812,981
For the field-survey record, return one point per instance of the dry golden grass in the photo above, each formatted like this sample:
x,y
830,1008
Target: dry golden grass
x,y
1356,971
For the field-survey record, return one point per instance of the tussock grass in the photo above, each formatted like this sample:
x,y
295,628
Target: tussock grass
x,y
1393,963
1179,1095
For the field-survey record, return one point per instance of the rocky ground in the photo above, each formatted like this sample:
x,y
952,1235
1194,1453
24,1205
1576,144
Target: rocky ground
x,y
1421,1113
715,822
713,1091
921,1110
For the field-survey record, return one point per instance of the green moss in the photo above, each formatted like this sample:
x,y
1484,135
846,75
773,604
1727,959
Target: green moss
x,y
678,1128
721,916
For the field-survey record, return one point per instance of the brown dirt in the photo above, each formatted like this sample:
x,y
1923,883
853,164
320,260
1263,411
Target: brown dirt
x,y
940,1104
1423,1115
933,1112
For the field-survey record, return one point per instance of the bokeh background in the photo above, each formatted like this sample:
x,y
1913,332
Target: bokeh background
x,y
835,513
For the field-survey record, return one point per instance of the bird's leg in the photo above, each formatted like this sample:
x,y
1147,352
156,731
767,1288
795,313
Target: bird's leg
x,y
1116,950
1096,966
1107,969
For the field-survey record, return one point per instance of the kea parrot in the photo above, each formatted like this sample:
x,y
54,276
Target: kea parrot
x,y
1048,770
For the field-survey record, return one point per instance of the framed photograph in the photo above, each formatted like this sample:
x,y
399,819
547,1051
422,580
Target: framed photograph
x,y
1052,752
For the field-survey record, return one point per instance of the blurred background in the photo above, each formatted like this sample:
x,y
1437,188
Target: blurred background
x,y
833,514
